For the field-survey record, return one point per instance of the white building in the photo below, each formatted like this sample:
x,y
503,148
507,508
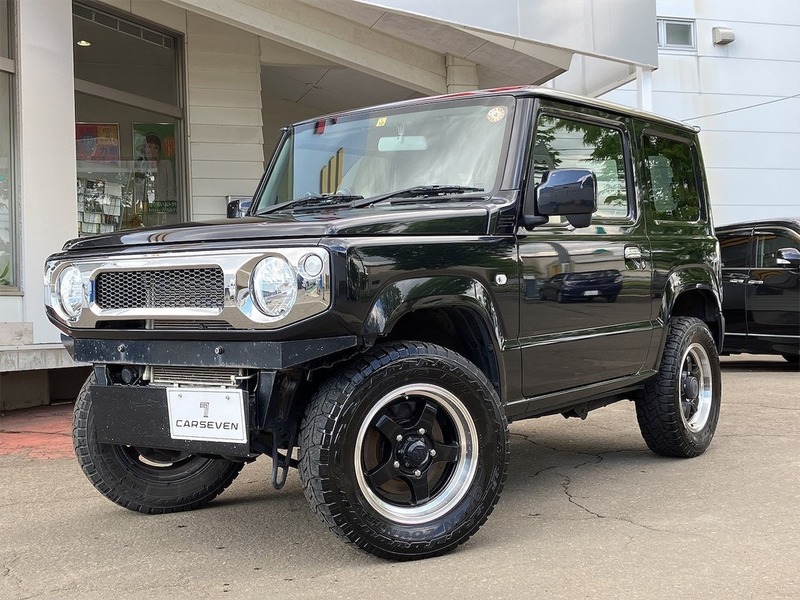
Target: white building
x,y
732,68
90,89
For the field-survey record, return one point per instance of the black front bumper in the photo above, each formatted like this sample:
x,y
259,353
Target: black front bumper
x,y
138,415
239,354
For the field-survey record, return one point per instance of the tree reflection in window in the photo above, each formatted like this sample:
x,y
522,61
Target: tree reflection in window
x,y
672,179
568,144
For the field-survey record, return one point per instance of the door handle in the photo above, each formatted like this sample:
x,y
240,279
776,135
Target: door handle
x,y
633,253
754,282
736,278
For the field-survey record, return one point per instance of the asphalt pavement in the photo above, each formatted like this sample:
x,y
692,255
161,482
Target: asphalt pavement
x,y
588,512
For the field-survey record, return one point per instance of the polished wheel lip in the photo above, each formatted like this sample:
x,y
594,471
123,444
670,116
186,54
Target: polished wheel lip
x,y
696,365
147,463
464,468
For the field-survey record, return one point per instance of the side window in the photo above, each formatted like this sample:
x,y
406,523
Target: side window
x,y
672,179
568,144
769,244
735,251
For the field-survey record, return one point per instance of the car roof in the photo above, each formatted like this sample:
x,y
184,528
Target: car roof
x,y
526,91
788,222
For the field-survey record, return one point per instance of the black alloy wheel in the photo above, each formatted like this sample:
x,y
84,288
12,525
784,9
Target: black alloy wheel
x,y
404,452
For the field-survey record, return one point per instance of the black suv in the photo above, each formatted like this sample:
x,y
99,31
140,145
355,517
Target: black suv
x,y
761,284
376,319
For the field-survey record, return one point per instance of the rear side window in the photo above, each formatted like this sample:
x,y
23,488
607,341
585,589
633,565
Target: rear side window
x,y
735,250
568,144
672,179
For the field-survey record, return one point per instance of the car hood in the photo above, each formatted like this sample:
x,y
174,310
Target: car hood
x,y
347,222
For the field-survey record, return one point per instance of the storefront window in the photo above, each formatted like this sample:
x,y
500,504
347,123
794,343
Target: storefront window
x,y
128,124
7,235
127,166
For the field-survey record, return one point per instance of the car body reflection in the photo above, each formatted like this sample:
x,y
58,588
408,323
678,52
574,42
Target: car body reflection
x,y
586,285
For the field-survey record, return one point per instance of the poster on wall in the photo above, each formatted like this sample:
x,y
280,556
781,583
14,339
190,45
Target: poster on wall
x,y
154,169
97,141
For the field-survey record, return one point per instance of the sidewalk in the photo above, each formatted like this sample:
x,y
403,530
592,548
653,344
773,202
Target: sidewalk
x,y
43,432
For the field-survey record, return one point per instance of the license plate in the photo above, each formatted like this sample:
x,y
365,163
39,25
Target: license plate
x,y
591,293
212,415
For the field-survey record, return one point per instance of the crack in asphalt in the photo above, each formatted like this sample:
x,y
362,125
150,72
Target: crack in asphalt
x,y
527,438
567,481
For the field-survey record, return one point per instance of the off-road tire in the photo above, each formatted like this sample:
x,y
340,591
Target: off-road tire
x,y
120,475
348,410
665,416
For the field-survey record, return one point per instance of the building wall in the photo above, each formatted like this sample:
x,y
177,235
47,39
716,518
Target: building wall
x,y
46,129
745,97
226,144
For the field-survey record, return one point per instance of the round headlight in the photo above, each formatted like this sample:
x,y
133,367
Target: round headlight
x,y
274,286
71,291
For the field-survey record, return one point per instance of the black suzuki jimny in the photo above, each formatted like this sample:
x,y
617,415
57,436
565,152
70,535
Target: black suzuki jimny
x,y
407,280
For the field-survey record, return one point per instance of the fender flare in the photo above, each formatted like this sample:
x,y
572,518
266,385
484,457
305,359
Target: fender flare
x,y
404,296
688,279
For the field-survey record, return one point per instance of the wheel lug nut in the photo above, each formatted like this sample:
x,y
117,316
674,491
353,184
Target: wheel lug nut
x,y
433,452
421,431
397,464
417,473
399,438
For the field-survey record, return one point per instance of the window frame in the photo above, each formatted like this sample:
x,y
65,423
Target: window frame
x,y
759,233
598,121
661,24
8,66
647,182
745,234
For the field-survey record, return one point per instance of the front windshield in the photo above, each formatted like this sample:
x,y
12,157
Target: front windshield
x,y
454,143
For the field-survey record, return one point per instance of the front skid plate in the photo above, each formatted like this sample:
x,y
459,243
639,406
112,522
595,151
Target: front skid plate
x,y
138,416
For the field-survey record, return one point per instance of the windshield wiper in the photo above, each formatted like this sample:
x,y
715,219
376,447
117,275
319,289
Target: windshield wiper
x,y
313,201
419,192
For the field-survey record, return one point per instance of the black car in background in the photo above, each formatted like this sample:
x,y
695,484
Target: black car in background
x,y
761,287
583,286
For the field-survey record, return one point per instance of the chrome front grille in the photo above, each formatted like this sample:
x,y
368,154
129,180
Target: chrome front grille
x,y
205,376
163,288
202,290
